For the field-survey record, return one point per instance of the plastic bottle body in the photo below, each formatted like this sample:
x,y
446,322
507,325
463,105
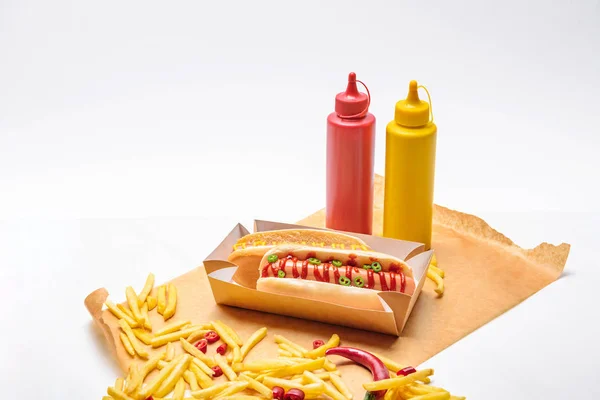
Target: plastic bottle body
x,y
350,173
409,182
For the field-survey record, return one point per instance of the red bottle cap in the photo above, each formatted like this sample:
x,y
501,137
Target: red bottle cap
x,y
351,103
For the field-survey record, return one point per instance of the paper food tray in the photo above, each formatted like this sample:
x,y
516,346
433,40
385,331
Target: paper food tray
x,y
397,306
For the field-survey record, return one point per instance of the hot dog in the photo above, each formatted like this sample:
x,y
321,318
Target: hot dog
x,y
344,277
250,249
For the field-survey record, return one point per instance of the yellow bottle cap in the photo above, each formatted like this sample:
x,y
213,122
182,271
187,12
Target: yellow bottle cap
x,y
412,111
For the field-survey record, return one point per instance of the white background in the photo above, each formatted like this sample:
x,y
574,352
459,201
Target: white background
x,y
173,120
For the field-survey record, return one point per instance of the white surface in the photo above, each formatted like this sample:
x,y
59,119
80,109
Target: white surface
x,y
145,109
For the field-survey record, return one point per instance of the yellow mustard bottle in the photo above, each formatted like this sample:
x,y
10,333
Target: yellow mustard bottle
x,y
410,170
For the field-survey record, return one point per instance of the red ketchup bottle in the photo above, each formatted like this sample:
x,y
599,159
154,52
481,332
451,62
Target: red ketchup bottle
x,y
350,156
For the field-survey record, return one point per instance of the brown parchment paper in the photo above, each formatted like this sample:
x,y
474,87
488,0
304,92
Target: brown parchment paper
x,y
486,275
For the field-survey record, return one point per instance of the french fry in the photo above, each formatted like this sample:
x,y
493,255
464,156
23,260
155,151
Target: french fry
x,y
197,335
329,390
130,375
222,362
120,314
143,335
233,334
256,385
329,366
224,334
144,311
138,378
152,302
170,353
334,341
212,391
340,386
127,344
252,341
204,380
158,341
174,327
197,353
203,367
191,379
322,375
132,301
433,396
290,349
284,353
309,365
137,346
420,389
171,302
161,299
433,260
146,290
241,397
234,388
259,366
117,394
125,310
281,339
390,394
437,270
284,383
169,383
397,382
179,390
107,398
119,383
237,355
390,364
438,281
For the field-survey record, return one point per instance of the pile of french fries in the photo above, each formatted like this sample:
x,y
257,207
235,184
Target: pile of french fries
x,y
437,275
191,372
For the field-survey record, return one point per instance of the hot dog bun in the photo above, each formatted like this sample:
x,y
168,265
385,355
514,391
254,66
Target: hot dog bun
x,y
250,249
309,272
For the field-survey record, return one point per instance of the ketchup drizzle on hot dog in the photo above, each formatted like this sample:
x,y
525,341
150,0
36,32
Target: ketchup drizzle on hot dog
x,y
304,269
265,271
317,273
371,280
392,281
384,286
349,272
402,282
336,275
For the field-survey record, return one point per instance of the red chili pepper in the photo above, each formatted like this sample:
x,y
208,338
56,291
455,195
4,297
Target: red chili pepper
x,y
406,371
222,349
318,343
202,345
211,336
367,360
294,394
217,371
278,392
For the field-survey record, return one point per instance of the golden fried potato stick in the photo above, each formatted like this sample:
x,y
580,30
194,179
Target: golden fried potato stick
x,y
119,383
284,353
211,391
397,382
227,371
235,388
237,355
329,365
339,385
434,260
120,314
224,335
130,374
179,390
107,398
419,389
433,396
197,353
146,317
190,378
171,302
252,341
197,335
256,385
290,349
233,334
281,339
390,364
158,341
437,270
152,302
321,375
138,378
334,341
174,327
261,365
117,394
241,397
132,300
203,367
161,299
170,352
127,344
309,365
148,286
390,394
126,311
137,346
313,388
170,381
330,390
438,281
204,380
143,335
